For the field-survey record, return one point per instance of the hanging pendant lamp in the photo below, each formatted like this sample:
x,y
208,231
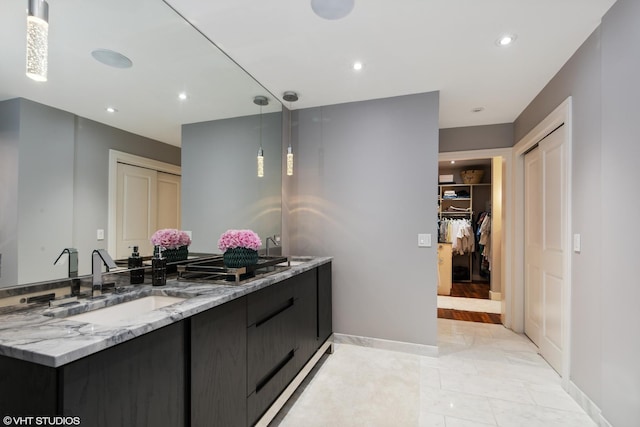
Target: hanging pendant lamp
x,y
261,101
290,97
37,40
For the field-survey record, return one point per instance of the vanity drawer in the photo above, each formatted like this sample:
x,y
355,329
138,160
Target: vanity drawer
x,y
267,392
267,302
268,344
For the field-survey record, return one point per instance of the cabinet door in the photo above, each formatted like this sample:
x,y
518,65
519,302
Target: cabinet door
x,y
306,298
219,366
140,382
20,382
325,326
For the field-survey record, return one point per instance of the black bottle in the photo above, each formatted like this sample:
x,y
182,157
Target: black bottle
x,y
158,270
135,261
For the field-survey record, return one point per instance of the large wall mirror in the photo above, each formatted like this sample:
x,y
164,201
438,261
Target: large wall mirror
x,y
56,136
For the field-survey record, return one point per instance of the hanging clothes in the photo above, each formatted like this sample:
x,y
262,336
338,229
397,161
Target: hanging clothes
x,y
483,236
458,232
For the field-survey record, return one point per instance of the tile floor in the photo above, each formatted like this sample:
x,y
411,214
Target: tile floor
x,y
485,375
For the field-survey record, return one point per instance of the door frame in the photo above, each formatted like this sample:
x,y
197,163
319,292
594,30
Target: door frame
x,y
515,294
116,157
507,242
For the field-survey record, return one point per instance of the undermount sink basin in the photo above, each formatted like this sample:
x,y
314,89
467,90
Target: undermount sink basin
x,y
125,312
290,263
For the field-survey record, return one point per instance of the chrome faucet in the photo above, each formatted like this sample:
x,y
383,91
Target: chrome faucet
x,y
98,258
73,261
275,240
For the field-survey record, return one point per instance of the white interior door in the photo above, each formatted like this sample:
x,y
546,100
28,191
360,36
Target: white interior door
x,y
545,245
136,215
168,211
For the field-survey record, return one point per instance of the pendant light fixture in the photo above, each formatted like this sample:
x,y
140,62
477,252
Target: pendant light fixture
x,y
290,97
37,40
261,101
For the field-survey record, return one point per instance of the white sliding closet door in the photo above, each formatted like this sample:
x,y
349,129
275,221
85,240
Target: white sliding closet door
x,y
168,200
545,245
147,200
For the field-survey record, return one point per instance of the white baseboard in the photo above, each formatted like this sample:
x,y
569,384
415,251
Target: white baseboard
x,y
404,347
495,296
587,404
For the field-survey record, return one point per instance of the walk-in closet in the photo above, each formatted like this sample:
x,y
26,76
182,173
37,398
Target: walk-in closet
x,y
465,220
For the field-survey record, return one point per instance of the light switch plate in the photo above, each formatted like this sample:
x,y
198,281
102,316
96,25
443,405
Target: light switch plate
x,y
424,240
576,243
100,234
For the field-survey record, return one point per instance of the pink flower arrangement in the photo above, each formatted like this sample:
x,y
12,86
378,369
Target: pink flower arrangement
x,y
170,238
239,239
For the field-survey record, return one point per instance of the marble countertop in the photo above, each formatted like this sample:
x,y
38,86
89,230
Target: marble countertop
x,y
43,335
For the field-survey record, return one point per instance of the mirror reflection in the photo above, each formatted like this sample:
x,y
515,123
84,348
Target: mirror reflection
x,y
59,143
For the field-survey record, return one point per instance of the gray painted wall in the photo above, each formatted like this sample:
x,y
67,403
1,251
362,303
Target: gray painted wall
x,y
620,156
45,193
365,186
476,137
9,143
55,186
220,187
581,79
602,78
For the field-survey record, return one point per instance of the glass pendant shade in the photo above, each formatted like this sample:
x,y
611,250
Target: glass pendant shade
x,y
260,163
289,161
37,40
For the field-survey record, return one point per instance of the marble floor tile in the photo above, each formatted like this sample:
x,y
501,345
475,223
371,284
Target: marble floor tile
x,y
511,414
485,375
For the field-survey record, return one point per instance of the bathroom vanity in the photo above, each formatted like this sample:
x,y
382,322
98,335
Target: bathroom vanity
x,y
220,355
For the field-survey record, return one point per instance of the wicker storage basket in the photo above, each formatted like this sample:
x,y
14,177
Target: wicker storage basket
x,y
472,176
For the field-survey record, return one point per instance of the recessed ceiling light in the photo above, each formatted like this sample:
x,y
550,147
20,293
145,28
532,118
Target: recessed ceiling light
x,y
506,40
111,58
357,66
453,162
111,110
182,96
477,109
332,9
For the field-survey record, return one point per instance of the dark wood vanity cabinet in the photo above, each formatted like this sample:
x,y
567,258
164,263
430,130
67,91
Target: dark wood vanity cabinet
x,y
222,367
140,382
271,342
219,366
325,309
306,317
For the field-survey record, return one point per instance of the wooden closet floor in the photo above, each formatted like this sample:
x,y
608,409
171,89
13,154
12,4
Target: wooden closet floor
x,y
471,290
469,316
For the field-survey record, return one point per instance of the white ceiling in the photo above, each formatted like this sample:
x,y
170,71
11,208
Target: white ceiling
x,y
406,46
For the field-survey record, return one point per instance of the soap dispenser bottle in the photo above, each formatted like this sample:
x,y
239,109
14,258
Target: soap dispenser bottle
x,y
135,265
158,269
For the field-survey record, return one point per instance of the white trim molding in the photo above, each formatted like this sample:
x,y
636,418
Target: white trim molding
x,y
495,296
403,347
588,405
